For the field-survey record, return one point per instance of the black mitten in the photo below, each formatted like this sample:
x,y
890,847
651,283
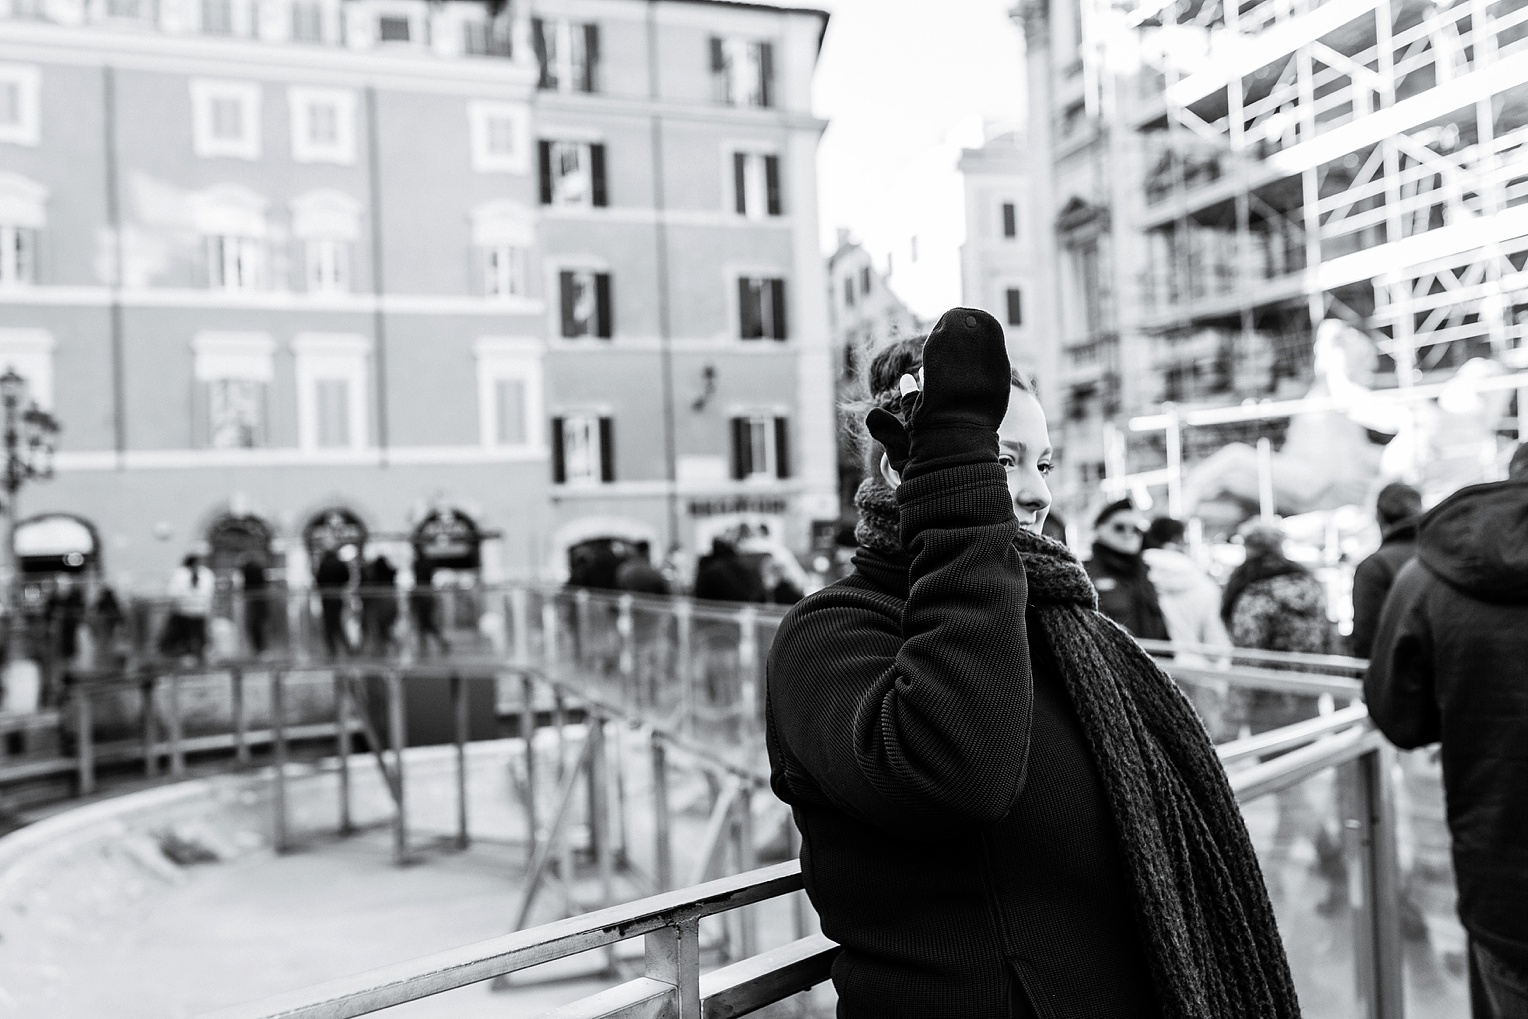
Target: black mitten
x,y
966,384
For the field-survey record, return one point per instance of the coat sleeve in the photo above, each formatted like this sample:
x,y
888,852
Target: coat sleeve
x,y
916,716
1371,582
1399,686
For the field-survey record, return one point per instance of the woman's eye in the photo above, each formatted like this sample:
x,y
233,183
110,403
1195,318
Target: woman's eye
x,y
1008,461
1047,468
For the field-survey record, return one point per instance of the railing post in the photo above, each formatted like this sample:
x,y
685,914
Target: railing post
x,y
626,661
150,729
177,748
747,665
684,666
663,836
240,716
549,649
798,899
599,818
528,734
279,759
1380,950
581,638
519,616
395,722
459,701
342,748
745,863
84,740
672,955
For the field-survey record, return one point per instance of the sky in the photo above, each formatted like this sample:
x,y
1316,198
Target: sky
x,y
905,85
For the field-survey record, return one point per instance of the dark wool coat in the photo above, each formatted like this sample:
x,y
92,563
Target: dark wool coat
x,y
1450,664
1126,593
957,838
1373,579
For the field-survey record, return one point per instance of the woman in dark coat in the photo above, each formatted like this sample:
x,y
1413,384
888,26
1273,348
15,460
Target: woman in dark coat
x,y
1006,808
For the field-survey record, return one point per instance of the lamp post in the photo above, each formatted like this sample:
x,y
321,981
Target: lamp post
x,y
30,437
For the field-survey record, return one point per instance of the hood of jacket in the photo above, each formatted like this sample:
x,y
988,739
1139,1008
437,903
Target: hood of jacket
x,y
1172,572
1476,541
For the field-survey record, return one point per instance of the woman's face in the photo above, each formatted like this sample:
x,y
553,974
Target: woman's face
x,y
1024,450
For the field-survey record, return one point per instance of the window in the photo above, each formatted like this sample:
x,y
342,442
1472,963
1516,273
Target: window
x,y
331,390
585,299
19,107
225,118
489,38
1096,295
573,173
509,392
761,308
502,234
327,224
233,373
307,21
583,449
1015,298
742,72
500,136
1010,220
234,262
323,124
756,184
504,271
131,10
760,447
864,279
849,291
567,55
18,263
392,28
217,17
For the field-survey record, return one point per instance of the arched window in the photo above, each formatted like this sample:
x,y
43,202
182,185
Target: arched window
x,y
502,234
327,225
232,220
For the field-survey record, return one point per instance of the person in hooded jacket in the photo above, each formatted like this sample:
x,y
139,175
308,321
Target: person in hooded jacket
x,y
1125,593
1397,509
1450,666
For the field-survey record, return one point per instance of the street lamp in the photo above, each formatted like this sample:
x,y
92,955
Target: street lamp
x,y
31,434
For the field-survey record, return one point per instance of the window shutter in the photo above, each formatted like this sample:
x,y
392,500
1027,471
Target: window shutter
x,y
742,450
591,57
597,175
740,182
559,463
565,284
718,58
1015,307
782,448
767,73
538,40
607,449
777,310
772,183
544,156
748,310
603,316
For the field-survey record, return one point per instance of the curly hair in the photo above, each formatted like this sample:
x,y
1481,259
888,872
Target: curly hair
x,y
879,387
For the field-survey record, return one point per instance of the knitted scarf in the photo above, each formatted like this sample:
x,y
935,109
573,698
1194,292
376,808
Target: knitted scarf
x,y
1203,910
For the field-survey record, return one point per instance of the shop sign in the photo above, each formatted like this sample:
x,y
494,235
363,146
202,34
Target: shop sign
x,y
763,505
334,529
449,539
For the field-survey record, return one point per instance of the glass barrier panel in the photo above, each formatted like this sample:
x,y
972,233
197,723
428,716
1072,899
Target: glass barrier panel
x,y
1435,960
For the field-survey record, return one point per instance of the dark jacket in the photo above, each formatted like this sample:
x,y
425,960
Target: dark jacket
x,y
1125,592
1372,581
727,576
1450,665
956,836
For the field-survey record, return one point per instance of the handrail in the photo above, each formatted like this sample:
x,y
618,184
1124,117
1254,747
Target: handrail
x,y
669,920
1267,679
1344,663
1298,765
1291,736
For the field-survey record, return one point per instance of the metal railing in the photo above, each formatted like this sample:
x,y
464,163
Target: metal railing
x,y
672,983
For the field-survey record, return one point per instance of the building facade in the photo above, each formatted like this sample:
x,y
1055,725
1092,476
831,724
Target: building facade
x,y
864,314
1217,182
312,267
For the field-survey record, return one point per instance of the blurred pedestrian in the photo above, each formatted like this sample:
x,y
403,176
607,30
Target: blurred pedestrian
x,y
332,578
1119,574
424,606
257,605
638,575
779,588
191,590
1450,666
107,617
1190,603
726,576
379,606
63,614
1397,509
